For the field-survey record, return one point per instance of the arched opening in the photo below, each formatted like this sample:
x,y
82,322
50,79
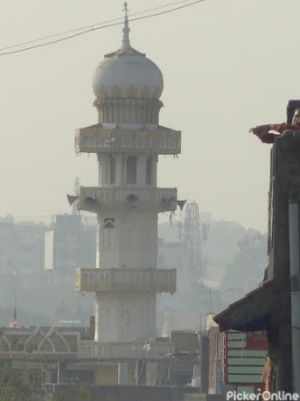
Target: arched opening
x,y
131,163
149,171
112,170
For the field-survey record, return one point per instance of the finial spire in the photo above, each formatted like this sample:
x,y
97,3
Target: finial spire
x,y
126,30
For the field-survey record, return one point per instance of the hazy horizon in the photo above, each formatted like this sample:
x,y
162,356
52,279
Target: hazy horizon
x,y
227,66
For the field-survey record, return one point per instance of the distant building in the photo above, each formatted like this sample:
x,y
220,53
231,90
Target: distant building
x,y
69,243
30,246
8,249
21,246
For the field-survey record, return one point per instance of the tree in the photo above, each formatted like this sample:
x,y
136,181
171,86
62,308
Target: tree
x,y
246,269
18,384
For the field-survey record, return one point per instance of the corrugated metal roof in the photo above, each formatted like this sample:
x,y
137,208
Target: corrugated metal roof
x,y
249,313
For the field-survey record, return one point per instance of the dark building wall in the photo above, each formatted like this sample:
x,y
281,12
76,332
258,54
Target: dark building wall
x,y
215,360
285,168
204,354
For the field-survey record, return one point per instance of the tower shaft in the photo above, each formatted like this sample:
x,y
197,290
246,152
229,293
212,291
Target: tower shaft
x,y
127,141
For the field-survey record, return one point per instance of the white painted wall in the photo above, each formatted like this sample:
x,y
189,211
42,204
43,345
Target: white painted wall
x,y
125,317
132,243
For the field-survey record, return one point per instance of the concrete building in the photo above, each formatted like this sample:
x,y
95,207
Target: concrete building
x,y
127,141
52,358
8,260
30,240
21,246
69,243
274,305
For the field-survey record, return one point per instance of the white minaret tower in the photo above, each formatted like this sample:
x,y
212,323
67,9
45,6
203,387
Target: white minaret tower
x,y
127,141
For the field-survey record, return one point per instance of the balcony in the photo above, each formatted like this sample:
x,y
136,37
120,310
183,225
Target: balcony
x,y
98,139
126,280
95,199
124,351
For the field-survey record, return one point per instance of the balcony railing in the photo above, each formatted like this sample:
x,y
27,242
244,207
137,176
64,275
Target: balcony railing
x,y
97,139
96,198
126,280
124,351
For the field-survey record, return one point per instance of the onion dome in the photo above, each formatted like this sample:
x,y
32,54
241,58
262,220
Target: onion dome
x,y
128,85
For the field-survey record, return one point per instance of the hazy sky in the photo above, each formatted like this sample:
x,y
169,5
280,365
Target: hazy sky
x,y
228,65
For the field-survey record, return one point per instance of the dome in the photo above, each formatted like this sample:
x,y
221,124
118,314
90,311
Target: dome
x,y
127,73
128,86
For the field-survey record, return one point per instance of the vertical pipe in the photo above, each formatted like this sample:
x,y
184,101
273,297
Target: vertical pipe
x,y
295,290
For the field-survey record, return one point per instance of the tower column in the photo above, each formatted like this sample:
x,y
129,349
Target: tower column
x,y
127,140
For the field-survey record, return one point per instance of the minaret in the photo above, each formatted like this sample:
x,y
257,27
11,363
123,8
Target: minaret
x,y
127,141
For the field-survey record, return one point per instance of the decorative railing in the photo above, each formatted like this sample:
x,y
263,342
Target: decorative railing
x,y
126,280
98,139
97,198
124,351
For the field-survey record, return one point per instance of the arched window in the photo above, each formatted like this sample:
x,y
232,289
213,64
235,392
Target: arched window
x,y
131,170
148,171
112,169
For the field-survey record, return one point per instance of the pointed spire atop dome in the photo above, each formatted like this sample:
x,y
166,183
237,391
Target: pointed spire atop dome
x,y
126,41
126,48
127,73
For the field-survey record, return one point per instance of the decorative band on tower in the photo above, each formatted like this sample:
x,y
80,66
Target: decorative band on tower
x,y
127,141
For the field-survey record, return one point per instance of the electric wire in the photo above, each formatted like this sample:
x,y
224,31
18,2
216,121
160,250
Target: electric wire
x,y
82,31
70,31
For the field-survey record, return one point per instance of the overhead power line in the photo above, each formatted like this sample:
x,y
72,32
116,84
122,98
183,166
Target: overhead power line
x,y
55,38
70,31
